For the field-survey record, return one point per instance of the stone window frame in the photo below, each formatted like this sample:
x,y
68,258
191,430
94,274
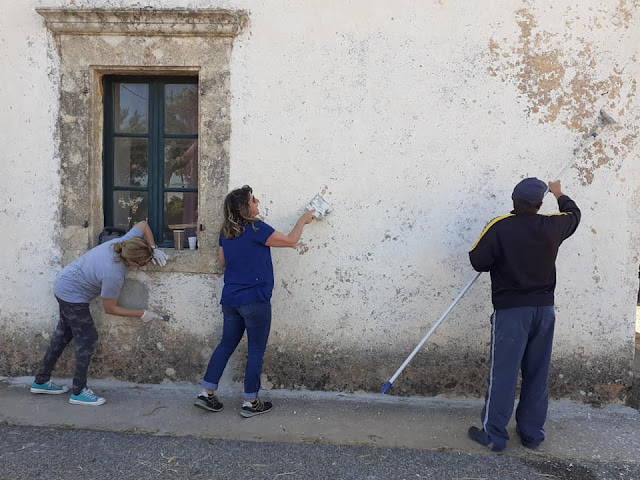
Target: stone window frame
x,y
95,42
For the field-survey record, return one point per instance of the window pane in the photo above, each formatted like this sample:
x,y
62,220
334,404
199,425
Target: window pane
x,y
131,107
181,108
130,162
129,208
181,163
180,211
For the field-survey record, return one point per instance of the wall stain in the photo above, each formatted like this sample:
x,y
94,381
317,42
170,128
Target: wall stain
x,y
301,248
133,352
438,372
622,16
604,152
152,353
557,73
558,76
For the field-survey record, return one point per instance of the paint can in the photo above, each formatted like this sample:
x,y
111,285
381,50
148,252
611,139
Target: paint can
x,y
178,239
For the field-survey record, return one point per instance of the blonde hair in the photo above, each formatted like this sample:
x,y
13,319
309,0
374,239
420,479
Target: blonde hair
x,y
136,250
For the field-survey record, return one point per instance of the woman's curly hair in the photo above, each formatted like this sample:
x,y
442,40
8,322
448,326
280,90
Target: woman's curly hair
x,y
237,213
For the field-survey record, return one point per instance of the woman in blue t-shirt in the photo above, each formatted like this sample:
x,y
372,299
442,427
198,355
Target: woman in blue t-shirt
x,y
245,254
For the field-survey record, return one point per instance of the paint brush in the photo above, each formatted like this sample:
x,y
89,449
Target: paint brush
x,y
320,205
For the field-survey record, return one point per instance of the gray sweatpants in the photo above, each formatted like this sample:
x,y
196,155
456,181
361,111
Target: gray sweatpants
x,y
75,323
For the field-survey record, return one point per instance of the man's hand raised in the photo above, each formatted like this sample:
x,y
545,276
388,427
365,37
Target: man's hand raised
x,y
554,187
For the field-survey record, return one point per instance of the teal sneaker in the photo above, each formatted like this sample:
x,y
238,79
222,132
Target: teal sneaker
x,y
86,397
49,388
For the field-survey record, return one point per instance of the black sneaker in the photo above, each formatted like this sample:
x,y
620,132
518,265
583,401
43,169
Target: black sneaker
x,y
482,438
208,402
250,409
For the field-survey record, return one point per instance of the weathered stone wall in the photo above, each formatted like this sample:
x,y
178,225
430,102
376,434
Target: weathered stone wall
x,y
415,120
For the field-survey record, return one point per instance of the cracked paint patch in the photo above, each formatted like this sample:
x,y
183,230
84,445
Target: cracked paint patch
x,y
557,72
302,248
622,16
609,152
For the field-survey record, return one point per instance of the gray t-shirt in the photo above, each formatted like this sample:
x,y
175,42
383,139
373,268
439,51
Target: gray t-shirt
x,y
95,273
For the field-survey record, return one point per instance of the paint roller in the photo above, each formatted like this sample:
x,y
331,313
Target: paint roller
x,y
604,120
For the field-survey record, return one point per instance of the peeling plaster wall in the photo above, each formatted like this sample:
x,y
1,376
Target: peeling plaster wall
x,y
416,120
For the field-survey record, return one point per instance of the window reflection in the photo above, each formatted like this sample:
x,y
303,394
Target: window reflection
x,y
131,107
129,208
180,212
130,162
181,109
181,163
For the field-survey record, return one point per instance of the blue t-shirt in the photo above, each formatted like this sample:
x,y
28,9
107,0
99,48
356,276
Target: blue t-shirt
x,y
97,272
248,275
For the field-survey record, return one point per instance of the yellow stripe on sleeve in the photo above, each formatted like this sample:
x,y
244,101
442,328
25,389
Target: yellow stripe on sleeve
x,y
486,229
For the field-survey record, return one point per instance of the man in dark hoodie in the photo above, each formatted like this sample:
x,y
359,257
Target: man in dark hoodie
x,y
519,250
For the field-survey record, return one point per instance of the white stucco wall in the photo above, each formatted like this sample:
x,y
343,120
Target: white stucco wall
x,y
415,119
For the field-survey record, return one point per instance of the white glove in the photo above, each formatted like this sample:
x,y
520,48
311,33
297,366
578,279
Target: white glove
x,y
159,257
149,315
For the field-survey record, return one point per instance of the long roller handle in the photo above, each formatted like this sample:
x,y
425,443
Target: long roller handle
x,y
592,138
433,329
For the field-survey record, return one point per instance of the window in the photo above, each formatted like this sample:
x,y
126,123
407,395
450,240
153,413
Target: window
x,y
151,154
140,46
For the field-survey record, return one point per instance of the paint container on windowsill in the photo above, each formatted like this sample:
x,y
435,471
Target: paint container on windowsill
x,y
178,239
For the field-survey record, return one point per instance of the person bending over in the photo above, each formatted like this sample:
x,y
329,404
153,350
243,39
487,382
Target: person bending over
x,y
99,272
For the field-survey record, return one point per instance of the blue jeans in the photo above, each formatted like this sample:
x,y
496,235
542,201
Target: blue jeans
x,y
256,319
521,339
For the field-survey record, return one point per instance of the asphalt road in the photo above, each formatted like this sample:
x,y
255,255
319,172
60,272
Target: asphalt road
x,y
69,454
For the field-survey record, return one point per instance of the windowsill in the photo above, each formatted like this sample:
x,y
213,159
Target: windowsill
x,y
202,260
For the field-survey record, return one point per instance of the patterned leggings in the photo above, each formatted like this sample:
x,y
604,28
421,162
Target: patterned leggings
x,y
75,323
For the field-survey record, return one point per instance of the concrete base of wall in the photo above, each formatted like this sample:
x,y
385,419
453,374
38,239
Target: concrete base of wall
x,y
142,353
149,353
633,396
443,373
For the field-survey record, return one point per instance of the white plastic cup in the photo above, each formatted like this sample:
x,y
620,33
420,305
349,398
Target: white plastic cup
x,y
192,242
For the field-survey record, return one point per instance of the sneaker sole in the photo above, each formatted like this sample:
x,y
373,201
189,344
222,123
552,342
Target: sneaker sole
x,y
89,404
49,392
204,406
530,446
246,414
